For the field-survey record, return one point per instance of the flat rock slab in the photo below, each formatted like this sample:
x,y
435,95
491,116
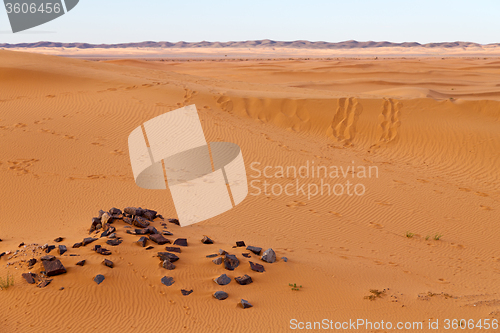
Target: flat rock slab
x,y
167,280
62,249
254,249
174,221
108,263
246,255
44,283
47,258
243,280
181,242
159,239
240,244
257,267
53,267
77,245
269,256
212,255
167,233
29,277
150,247
231,262
114,242
166,255
173,249
221,295
186,292
81,263
222,280
245,304
58,239
99,278
88,240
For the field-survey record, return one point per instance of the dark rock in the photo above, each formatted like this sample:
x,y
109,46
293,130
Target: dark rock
x,y
49,248
257,267
109,231
186,292
48,258
167,233
245,304
167,280
285,259
103,251
58,239
173,249
140,232
108,263
88,240
62,288
99,226
74,255
207,240
81,263
115,211
240,244
181,242
160,217
117,216
254,249
150,247
217,261
152,230
127,226
269,256
212,255
29,277
167,264
113,235
174,221
134,211
2,254
77,245
95,222
142,241
222,280
53,267
166,255
96,247
114,242
128,220
99,278
140,222
231,262
101,213
243,280
246,255
222,252
62,249
31,262
149,214
220,295
158,239
44,283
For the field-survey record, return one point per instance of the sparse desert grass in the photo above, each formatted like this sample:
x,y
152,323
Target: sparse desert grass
x,y
409,234
294,286
9,281
437,236
375,294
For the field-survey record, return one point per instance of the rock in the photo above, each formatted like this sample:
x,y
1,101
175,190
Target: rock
x,y
108,263
115,211
220,295
167,233
246,255
174,221
81,263
114,242
134,211
207,240
167,280
2,254
113,235
53,267
48,258
257,267
140,232
62,249
29,277
254,249
44,283
149,214
101,212
77,245
58,239
269,256
108,231
222,252
103,251
62,288
167,264
128,220
212,255
240,244
99,278
158,239
186,292
181,242
173,249
217,261
245,304
98,226
88,240
31,262
222,280
117,217
50,248
150,247
152,230
231,262
95,222
105,218
142,241
140,222
96,247
243,280
166,255
285,259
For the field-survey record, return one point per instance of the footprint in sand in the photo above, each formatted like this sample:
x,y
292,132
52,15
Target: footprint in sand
x,y
481,194
117,152
376,225
296,203
20,125
464,189
335,213
485,207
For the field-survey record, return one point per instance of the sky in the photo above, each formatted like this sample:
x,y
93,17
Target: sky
x,y
121,21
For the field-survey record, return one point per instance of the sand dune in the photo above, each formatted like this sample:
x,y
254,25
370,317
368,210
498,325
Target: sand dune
x,y
431,128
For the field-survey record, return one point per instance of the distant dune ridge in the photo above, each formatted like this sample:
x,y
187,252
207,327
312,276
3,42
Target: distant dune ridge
x,y
298,44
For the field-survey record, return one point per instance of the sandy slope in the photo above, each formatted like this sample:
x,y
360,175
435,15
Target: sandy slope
x,y
430,126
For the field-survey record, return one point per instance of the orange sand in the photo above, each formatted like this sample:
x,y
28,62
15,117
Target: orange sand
x,y
430,126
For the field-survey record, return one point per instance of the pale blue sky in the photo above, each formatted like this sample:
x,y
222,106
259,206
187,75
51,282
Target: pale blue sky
x,y
113,21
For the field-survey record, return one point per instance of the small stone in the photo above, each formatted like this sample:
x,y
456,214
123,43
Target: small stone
x,y
114,242
222,252
108,263
152,230
134,211
246,255
167,233
150,247
243,280
58,239
149,214
2,254
98,226
166,255
269,256
113,235
240,244
140,232
62,288
212,255
174,221
95,222
62,249
142,241
245,304
231,262
99,278
207,240
217,261
222,280
173,249
77,245
181,242
140,222
88,240
81,263
31,262
257,267
101,213
44,283
53,267
50,248
220,295
104,219
115,211
48,258
158,239
254,249
186,292
103,251
29,277
167,264
285,259
127,220
167,280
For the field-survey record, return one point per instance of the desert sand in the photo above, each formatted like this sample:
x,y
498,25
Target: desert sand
x,y
430,126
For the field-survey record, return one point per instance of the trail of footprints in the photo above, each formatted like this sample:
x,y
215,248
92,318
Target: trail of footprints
x,y
343,126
